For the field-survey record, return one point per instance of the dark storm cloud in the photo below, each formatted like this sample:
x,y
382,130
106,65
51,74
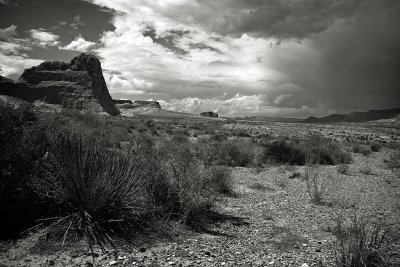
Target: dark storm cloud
x,y
273,18
356,65
167,40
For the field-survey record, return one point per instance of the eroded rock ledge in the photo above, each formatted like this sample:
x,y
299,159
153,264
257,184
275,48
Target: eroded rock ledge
x,y
79,85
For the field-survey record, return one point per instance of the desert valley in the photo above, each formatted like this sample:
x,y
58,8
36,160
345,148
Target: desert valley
x,y
207,133
91,181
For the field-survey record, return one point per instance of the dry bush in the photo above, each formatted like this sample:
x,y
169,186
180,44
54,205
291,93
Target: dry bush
x,y
281,181
361,242
22,146
219,179
362,149
235,153
316,183
343,169
295,175
393,162
366,169
296,152
177,191
375,147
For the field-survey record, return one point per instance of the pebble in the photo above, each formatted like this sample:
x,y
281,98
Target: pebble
x,y
304,265
113,262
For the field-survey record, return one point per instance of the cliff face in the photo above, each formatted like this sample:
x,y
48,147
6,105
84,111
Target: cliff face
x,y
79,85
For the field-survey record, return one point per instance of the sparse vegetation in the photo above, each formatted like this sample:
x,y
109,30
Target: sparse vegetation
x,y
296,152
343,169
362,149
360,242
316,183
111,179
295,175
219,178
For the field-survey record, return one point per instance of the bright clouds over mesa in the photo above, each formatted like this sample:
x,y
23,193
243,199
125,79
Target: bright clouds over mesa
x,y
235,57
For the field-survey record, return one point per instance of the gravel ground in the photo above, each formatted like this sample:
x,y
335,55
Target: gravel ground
x,y
270,221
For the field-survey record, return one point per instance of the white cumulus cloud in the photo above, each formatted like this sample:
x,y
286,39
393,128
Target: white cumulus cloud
x,y
44,38
79,44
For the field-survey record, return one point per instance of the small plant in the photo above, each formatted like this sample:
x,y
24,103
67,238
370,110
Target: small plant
x,y
343,169
362,149
375,147
393,162
295,175
281,181
360,243
219,179
366,169
316,184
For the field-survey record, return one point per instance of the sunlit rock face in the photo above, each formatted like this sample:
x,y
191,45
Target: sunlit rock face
x,y
78,85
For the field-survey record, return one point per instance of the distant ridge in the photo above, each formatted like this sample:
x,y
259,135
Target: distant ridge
x,y
370,115
268,119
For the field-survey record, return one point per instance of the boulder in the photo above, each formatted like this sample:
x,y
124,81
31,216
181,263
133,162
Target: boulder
x,y
79,85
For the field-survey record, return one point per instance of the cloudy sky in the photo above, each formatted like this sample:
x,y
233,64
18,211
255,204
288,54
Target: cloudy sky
x,y
291,58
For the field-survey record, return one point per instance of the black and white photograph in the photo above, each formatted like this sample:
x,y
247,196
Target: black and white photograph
x,y
200,133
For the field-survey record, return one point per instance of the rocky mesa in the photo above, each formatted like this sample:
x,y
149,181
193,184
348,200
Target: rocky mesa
x,y
78,85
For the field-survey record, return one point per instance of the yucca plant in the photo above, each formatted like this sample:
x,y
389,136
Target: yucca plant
x,y
100,190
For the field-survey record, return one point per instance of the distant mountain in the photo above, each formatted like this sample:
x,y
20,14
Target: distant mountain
x,y
370,115
268,119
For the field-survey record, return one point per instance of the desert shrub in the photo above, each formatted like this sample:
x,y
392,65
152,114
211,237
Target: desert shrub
x,y
219,179
343,169
177,191
295,175
360,243
362,149
283,151
241,133
316,183
281,181
179,138
181,132
296,152
100,191
208,151
393,162
22,146
375,147
219,137
237,153
366,169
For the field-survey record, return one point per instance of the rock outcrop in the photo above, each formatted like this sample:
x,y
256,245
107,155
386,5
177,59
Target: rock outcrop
x,y
147,104
209,114
122,101
138,104
79,85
